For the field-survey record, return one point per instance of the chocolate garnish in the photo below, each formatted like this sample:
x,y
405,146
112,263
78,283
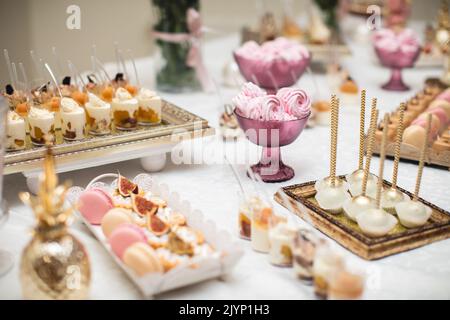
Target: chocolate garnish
x,y
9,89
119,77
66,81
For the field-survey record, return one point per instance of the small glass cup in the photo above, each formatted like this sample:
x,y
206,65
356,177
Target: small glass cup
x,y
244,218
125,114
281,236
149,111
346,285
15,132
304,251
326,263
260,228
40,127
73,125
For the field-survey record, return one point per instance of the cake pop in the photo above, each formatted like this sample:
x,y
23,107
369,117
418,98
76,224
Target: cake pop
x,y
360,203
356,185
332,196
413,214
390,197
376,222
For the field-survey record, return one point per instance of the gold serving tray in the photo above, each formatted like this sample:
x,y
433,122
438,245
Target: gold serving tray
x,y
411,153
176,123
349,235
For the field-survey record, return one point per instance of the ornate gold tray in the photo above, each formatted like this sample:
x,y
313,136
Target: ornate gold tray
x,y
349,235
176,123
411,153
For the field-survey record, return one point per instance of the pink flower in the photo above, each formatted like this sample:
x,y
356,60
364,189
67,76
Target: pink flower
x,y
297,102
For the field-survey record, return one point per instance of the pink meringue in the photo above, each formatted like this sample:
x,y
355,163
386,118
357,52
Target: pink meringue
x,y
288,104
405,41
297,102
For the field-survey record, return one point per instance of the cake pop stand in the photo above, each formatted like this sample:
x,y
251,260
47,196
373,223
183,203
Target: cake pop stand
x,y
272,135
397,61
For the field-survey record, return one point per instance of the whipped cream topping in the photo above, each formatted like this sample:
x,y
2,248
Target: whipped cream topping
x,y
123,95
96,102
145,94
39,113
69,105
13,117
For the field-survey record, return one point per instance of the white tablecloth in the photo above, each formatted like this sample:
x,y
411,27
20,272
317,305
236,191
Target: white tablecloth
x,y
421,273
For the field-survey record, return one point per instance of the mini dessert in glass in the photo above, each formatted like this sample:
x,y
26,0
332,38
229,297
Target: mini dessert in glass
x,y
304,250
149,107
41,123
98,115
15,132
260,229
125,110
326,264
42,94
73,120
345,285
245,215
281,236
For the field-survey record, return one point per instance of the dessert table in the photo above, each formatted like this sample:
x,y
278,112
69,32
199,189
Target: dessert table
x,y
422,273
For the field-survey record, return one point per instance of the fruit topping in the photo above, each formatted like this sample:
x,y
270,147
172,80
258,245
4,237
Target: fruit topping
x,y
79,97
158,201
157,225
131,89
107,94
126,187
178,245
143,206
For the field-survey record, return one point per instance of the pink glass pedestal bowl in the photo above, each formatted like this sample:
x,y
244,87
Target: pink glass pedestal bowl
x,y
397,61
272,135
279,74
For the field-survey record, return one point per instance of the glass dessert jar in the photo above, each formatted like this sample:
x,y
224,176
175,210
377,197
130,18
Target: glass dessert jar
x,y
260,228
149,107
281,236
346,285
326,264
73,120
98,115
304,250
15,132
125,110
41,122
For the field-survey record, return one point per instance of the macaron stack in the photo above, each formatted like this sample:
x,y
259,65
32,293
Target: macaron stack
x,y
141,229
439,108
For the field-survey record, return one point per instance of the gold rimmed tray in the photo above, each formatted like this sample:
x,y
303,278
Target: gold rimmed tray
x,y
349,235
176,124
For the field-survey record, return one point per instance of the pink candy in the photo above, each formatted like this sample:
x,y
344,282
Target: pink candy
x,y
288,104
405,41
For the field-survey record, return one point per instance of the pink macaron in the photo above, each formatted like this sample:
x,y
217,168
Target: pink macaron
x,y
93,204
124,236
442,116
444,95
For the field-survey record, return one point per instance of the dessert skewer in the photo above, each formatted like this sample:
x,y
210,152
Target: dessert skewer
x,y
356,185
363,202
390,197
376,222
332,192
413,214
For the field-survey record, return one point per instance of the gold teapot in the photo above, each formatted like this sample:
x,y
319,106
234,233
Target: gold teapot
x,y
54,265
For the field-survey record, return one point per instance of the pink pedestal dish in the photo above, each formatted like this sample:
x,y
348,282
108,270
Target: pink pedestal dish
x,y
272,135
273,65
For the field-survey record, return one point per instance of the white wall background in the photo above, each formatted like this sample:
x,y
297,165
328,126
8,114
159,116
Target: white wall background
x,y
39,25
